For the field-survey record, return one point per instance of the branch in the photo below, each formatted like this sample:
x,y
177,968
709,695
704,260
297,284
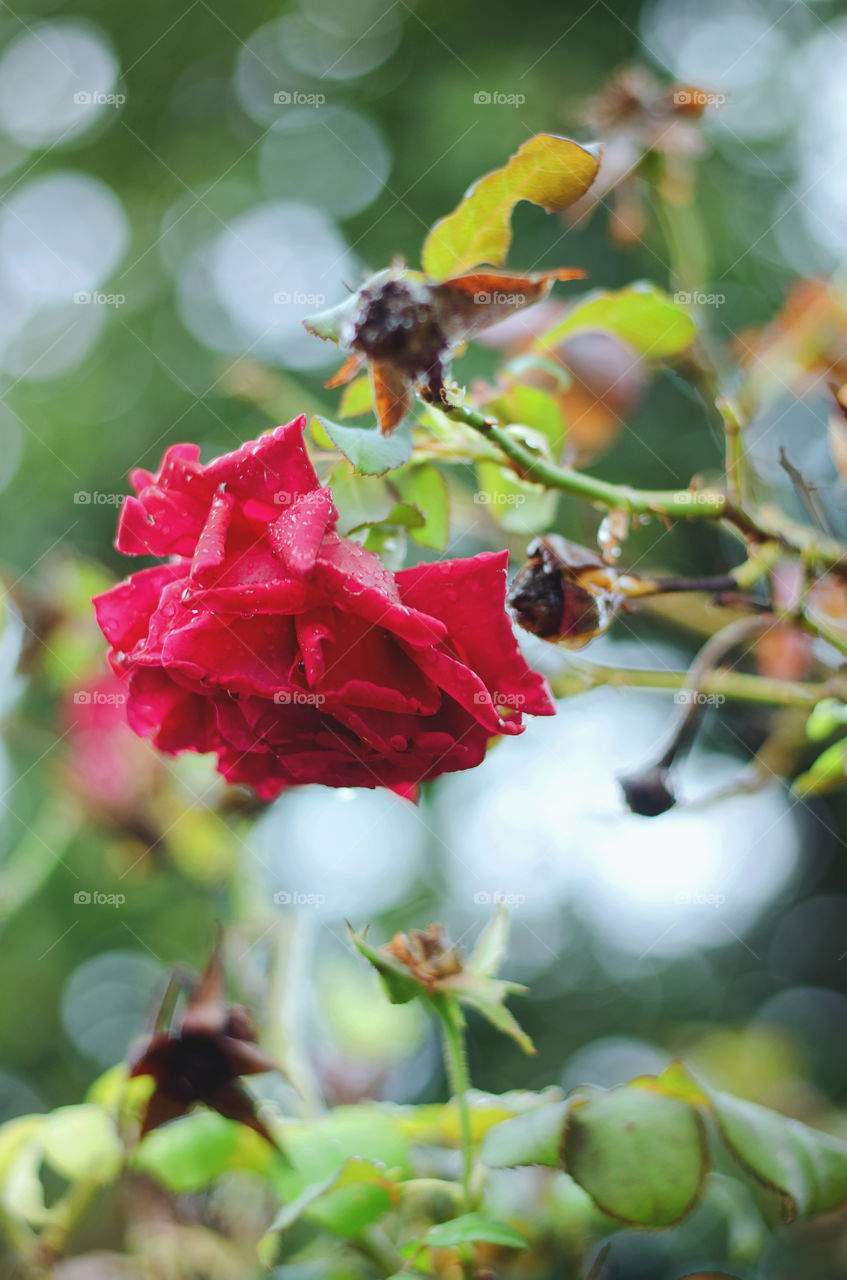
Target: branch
x,y
766,525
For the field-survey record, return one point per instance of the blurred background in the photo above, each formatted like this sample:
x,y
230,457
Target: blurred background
x,y
180,187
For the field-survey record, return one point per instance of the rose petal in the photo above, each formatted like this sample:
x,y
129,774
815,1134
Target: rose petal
x,y
274,469
469,597
357,581
296,535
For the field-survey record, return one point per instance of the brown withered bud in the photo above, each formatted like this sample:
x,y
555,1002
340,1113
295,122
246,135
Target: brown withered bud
x,y
648,793
565,593
406,328
428,953
200,1058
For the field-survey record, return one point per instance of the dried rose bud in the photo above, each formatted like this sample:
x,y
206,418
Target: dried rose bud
x,y
200,1058
407,327
648,793
428,954
565,593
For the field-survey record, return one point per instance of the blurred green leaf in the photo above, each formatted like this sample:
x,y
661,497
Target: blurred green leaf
x,y
82,1142
826,774
346,1202
357,398
426,488
400,986
191,1153
472,1227
640,314
535,408
547,170
516,505
533,1138
640,1155
807,1168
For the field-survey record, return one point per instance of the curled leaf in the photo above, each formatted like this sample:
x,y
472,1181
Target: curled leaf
x,y
547,170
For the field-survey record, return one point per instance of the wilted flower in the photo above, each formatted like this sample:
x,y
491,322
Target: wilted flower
x,y
407,327
200,1058
565,593
425,963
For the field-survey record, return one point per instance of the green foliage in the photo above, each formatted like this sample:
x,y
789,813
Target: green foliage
x,y
549,171
370,452
641,314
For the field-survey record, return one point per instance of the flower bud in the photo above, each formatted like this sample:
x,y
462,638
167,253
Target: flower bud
x,y
565,593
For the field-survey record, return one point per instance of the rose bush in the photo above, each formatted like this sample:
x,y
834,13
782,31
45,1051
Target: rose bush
x,y
292,652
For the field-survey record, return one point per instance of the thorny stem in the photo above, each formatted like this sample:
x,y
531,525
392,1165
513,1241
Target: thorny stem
x,y
765,525
715,648
456,1061
720,681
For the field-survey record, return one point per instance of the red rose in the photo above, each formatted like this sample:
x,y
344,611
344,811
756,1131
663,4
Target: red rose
x,y
293,653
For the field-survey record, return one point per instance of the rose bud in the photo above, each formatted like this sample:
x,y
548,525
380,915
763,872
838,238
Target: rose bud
x,y
649,793
565,593
568,594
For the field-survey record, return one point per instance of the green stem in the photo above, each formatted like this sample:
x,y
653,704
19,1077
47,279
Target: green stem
x,y
737,685
688,504
456,1061
53,1241
697,504
375,1245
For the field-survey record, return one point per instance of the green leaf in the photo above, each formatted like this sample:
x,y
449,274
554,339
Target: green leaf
x,y
401,516
826,774
642,315
547,170
400,986
370,452
640,1154
191,1153
82,1142
516,505
533,1138
361,500
357,398
346,1202
426,488
807,1168
826,718
534,408
473,1227
490,949
22,1194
